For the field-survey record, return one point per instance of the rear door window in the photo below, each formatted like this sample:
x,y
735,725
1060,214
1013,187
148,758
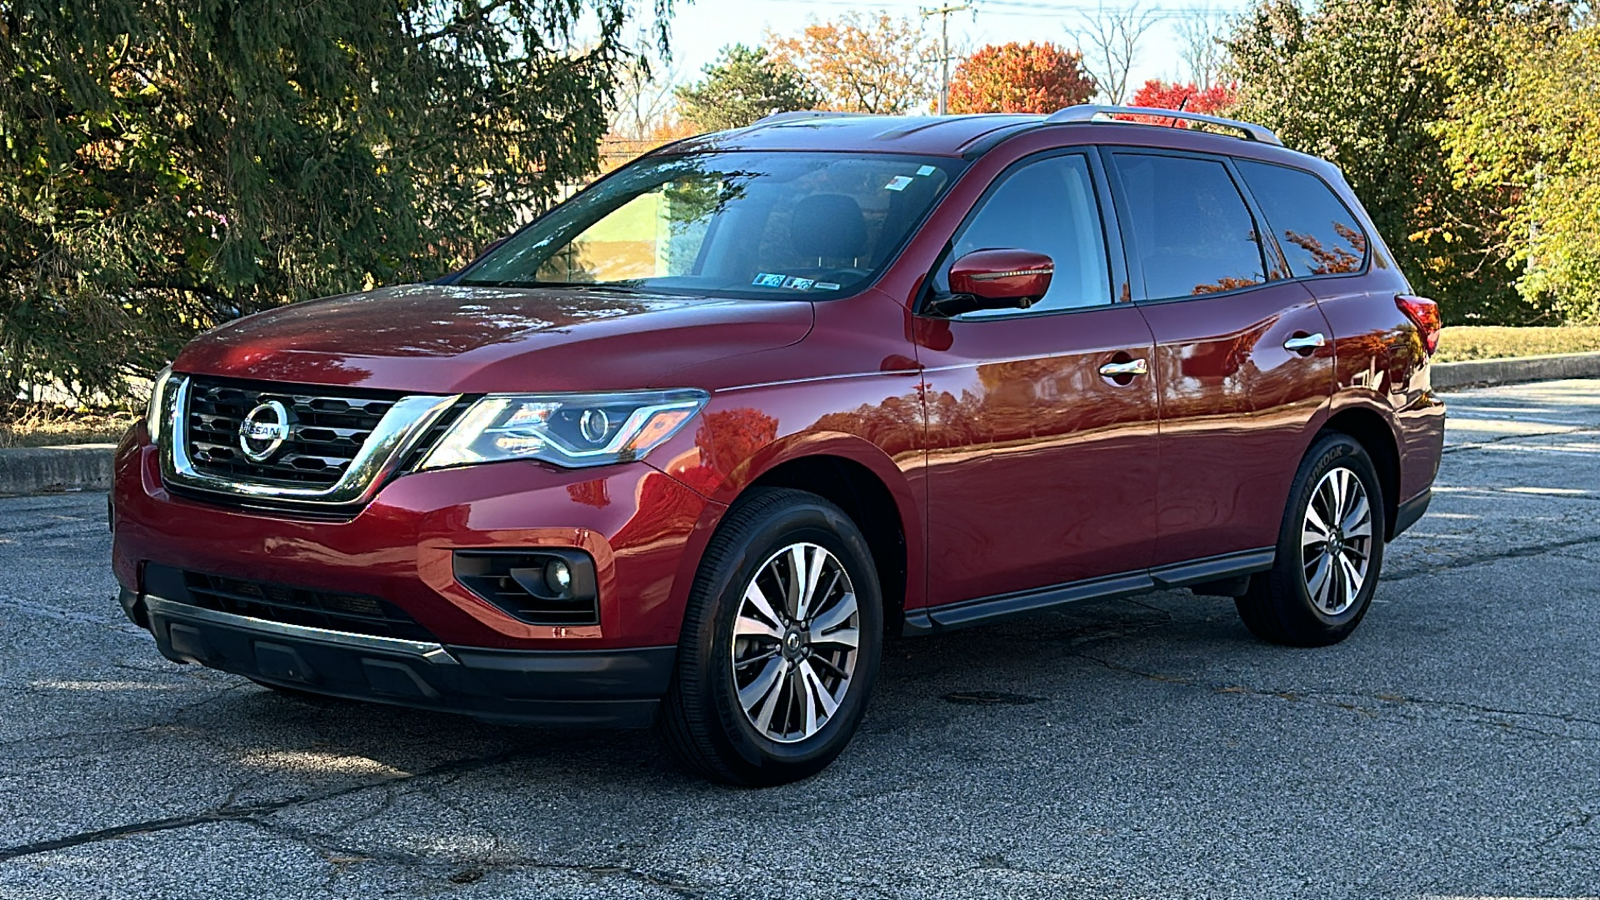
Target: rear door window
x,y
1318,233
1193,234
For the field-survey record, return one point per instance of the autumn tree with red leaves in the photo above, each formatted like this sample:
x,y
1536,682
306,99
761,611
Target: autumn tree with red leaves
x,y
1020,78
1209,101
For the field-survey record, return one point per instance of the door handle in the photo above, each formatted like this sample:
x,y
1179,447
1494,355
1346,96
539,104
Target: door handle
x,y
1307,343
1136,367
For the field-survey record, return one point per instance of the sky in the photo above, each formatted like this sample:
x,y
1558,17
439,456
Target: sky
x,y
702,27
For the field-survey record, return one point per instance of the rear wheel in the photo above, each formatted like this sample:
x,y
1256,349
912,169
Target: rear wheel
x,y
1330,551
780,644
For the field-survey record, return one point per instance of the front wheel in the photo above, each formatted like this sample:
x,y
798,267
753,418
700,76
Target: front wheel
x,y
1330,551
780,644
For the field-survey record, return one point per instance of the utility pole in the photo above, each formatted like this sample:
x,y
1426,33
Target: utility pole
x,y
943,13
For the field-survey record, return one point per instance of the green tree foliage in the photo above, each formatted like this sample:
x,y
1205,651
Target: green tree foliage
x,y
742,86
166,165
1532,138
1366,83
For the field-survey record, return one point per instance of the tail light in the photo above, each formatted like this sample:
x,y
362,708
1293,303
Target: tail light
x,y
1425,313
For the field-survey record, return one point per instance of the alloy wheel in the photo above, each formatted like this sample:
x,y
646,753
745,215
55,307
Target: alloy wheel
x,y
1336,541
795,642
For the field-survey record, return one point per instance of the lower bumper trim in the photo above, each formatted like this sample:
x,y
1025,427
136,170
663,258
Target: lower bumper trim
x,y
601,688
1409,512
133,607
423,651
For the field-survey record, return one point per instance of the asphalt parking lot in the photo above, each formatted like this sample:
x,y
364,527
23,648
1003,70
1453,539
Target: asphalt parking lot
x,y
1138,748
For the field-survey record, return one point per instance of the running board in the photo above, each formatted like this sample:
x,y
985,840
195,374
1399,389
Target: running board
x,y
1005,606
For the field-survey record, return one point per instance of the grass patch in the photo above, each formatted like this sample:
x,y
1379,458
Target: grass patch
x,y
1463,342
41,425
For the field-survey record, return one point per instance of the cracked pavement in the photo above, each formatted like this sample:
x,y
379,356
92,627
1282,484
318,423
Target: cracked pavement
x,y
1136,748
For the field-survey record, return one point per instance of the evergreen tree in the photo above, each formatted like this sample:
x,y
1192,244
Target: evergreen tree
x,y
166,165
742,86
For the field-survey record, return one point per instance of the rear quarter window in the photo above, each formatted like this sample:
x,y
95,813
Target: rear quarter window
x,y
1318,233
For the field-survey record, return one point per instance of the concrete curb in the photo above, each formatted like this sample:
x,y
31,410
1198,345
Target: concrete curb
x,y
1516,369
34,470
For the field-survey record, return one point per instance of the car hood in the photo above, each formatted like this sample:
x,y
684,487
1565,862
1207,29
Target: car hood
x,y
455,339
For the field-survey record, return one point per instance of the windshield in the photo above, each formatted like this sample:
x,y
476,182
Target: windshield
x,y
735,223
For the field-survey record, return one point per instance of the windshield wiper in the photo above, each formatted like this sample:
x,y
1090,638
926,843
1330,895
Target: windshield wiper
x,y
602,286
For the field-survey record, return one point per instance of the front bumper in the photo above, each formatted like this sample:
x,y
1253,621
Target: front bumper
x,y
636,523
603,688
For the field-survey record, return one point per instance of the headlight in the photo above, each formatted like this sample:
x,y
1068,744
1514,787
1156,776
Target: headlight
x,y
568,430
155,414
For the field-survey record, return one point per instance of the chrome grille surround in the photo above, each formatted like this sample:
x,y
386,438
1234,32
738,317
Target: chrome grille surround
x,y
324,432
362,464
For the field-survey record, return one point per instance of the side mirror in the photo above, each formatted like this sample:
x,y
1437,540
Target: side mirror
x,y
995,279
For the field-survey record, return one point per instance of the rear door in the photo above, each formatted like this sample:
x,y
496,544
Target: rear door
x,y
1041,469
1243,363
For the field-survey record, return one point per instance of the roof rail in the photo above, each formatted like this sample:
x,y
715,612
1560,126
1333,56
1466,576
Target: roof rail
x,y
798,115
1090,113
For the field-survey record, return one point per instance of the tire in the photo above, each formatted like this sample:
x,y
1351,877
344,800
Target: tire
x,y
749,708
1306,600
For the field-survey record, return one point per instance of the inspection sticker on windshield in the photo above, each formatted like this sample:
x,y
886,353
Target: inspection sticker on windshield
x,y
898,183
768,279
795,282
926,170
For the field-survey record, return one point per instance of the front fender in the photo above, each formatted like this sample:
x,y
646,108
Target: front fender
x,y
723,481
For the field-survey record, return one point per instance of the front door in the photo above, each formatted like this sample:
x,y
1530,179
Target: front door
x,y
1243,362
1041,463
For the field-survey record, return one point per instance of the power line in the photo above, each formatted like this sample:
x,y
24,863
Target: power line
x,y
943,13
1159,12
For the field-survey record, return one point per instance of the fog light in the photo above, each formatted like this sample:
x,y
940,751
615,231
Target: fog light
x,y
558,575
543,585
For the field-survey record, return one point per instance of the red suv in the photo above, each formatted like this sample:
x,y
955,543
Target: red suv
x,y
685,449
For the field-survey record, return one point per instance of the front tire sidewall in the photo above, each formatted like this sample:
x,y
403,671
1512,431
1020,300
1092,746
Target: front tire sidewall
x,y
756,758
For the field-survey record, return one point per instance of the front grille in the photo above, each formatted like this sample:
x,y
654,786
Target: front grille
x,y
353,613
328,429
